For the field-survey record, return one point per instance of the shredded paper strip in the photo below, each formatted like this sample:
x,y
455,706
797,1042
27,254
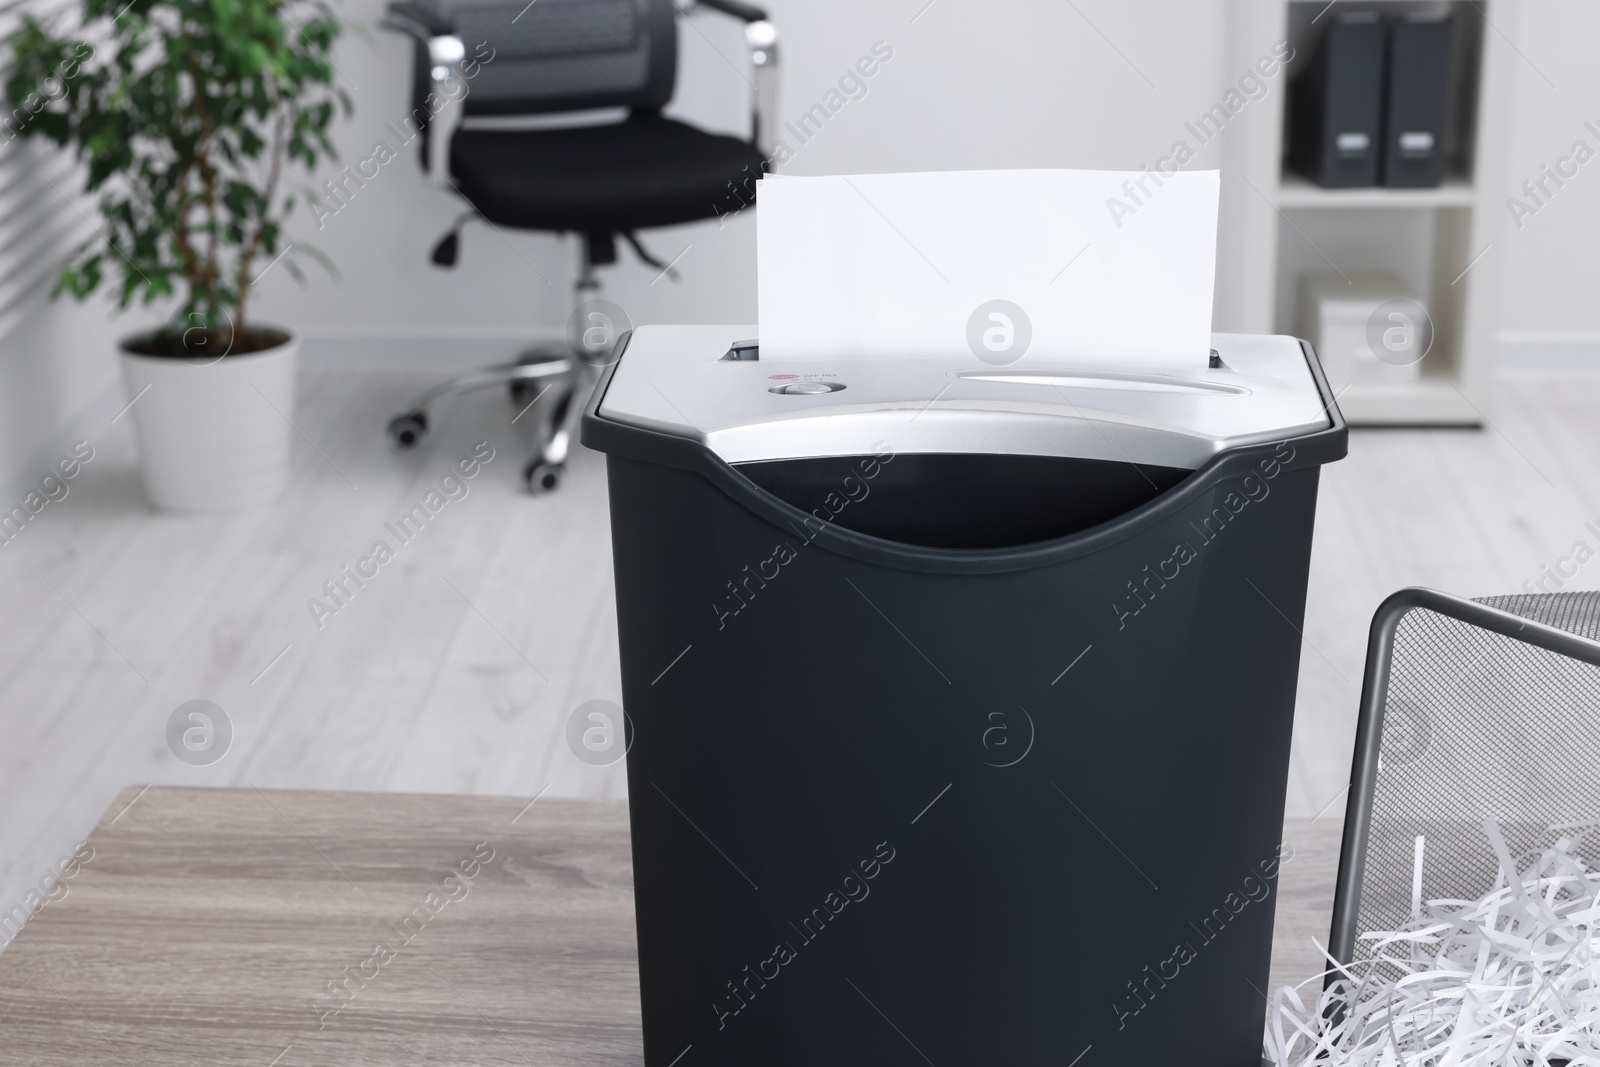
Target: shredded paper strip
x,y
1508,979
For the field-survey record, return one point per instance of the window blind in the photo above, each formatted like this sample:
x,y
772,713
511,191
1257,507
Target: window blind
x,y
43,216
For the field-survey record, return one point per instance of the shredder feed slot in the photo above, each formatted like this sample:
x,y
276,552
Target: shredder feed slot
x,y
965,501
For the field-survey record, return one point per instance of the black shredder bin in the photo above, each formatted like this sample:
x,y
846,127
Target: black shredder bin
x,y
959,697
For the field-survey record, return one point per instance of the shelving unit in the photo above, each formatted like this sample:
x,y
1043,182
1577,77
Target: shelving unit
x,y
1278,226
1295,191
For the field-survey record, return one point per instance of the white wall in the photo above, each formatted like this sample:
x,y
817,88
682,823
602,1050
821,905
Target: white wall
x,y
1551,271
1098,83
970,85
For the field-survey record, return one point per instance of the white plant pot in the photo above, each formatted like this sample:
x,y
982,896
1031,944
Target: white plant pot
x,y
212,435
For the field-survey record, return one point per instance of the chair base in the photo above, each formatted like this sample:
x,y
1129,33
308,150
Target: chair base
x,y
542,384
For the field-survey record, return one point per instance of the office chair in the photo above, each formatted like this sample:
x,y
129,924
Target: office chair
x,y
546,115
1471,710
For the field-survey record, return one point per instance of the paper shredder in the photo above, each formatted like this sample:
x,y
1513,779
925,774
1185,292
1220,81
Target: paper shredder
x,y
959,697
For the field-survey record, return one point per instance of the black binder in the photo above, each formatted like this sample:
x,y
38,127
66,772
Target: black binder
x,y
1419,82
1337,107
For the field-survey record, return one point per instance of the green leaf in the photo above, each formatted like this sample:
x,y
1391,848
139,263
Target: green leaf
x,y
182,112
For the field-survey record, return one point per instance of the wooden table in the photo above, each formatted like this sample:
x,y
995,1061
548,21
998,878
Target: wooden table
x,y
290,929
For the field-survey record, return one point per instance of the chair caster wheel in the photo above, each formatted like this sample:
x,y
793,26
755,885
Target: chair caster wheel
x,y
543,477
523,391
409,429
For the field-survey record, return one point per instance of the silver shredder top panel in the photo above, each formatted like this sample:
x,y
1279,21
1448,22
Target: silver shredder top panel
x,y
674,379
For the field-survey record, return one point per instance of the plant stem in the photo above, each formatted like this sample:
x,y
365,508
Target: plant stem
x,y
279,150
208,178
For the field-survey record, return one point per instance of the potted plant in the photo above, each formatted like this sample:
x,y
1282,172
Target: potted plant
x,y
186,115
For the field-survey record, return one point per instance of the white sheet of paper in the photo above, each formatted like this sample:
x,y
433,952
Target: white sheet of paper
x,y
1010,266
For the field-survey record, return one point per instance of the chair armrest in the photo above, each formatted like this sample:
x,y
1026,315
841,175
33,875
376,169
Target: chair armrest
x,y
447,80
762,38
418,19
738,9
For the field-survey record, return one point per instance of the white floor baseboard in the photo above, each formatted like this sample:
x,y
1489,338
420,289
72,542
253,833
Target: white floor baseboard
x,y
441,355
1537,352
445,353
1521,352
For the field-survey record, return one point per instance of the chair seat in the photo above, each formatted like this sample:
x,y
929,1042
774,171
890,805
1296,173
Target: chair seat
x,y
644,172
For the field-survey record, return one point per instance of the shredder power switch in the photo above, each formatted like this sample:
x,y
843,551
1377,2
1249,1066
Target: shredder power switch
x,y
806,388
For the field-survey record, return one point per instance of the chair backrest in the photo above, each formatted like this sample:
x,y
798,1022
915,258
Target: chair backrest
x,y
1471,710
564,55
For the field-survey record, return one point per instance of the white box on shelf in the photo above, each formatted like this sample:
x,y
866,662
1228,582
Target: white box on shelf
x,y
1368,329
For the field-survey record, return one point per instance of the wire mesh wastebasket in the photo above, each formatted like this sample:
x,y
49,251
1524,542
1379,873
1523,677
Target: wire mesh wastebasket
x,y
1470,711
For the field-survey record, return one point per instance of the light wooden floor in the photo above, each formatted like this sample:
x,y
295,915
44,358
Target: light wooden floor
x,y
453,671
